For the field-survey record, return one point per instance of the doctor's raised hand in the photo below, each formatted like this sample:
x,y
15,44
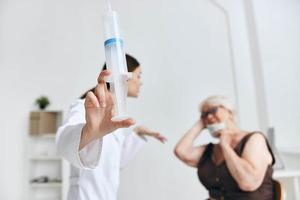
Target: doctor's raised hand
x,y
99,111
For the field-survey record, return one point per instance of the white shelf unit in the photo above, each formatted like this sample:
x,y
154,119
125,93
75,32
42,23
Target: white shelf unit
x,y
42,161
46,185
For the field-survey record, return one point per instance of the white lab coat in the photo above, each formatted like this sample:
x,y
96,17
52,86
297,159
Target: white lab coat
x,y
95,169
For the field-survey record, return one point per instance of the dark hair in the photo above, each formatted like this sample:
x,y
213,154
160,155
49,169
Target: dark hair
x,y
132,64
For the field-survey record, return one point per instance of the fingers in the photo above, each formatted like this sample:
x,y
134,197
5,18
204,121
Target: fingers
x,y
124,124
147,132
109,100
101,95
103,75
143,131
91,100
129,76
221,133
163,139
101,89
157,135
160,138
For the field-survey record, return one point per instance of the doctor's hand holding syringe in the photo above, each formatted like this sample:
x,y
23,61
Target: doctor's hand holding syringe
x,y
99,112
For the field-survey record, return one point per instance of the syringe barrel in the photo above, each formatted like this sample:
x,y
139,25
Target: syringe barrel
x,y
116,63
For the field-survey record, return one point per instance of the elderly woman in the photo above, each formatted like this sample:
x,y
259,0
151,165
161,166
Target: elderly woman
x,y
239,167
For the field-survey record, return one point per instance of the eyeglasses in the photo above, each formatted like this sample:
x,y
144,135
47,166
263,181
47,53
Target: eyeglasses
x,y
212,111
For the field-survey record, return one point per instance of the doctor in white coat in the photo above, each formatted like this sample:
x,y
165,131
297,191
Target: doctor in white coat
x,y
95,146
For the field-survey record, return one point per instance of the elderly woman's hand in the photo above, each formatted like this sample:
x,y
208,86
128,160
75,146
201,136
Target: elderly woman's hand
x,y
225,138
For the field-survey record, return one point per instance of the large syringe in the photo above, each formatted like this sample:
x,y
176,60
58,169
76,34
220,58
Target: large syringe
x,y
116,63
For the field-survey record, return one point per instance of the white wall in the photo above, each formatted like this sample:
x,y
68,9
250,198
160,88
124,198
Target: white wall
x,y
278,30
47,47
179,52
55,48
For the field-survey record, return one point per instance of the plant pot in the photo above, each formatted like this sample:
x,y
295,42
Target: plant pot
x,y
42,107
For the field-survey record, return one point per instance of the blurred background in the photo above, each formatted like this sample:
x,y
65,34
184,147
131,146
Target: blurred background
x,y
188,50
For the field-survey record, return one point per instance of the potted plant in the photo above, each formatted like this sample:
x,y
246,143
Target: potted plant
x,y
42,102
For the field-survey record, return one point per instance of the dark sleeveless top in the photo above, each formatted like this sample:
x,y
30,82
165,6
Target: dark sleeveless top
x,y
222,186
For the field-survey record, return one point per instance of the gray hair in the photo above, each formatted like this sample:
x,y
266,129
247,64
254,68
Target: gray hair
x,y
218,100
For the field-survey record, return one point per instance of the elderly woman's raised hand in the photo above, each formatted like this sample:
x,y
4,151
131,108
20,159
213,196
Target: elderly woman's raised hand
x,y
225,139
